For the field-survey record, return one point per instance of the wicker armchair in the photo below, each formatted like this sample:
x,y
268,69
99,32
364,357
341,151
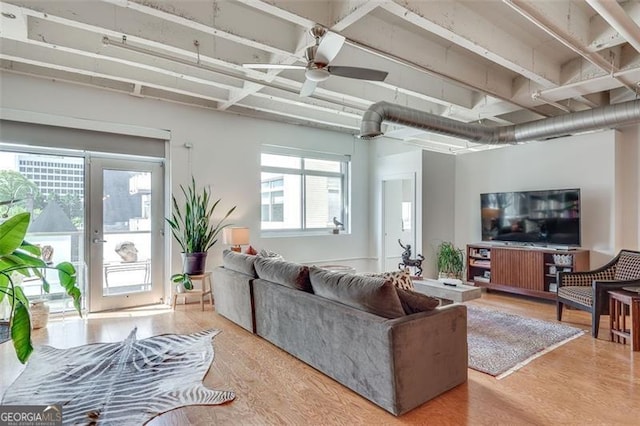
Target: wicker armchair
x,y
588,290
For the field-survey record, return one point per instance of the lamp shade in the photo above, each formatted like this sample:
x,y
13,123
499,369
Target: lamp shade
x,y
235,236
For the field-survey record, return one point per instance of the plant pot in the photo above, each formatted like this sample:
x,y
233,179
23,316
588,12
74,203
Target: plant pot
x,y
194,263
39,314
455,275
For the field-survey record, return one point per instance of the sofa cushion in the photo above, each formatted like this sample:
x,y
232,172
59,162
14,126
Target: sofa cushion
x,y
400,279
239,262
284,273
628,267
414,302
370,294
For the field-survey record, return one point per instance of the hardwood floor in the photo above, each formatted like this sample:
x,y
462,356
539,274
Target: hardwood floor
x,y
585,381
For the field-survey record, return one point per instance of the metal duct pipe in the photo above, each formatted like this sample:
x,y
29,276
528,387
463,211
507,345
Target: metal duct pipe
x,y
596,118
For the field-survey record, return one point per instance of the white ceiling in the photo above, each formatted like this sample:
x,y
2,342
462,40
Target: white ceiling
x,y
494,62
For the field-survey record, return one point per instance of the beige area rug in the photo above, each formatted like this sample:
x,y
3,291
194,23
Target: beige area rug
x,y
124,383
501,343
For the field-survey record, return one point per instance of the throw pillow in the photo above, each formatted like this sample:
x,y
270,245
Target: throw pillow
x,y
251,251
370,294
400,279
414,302
284,273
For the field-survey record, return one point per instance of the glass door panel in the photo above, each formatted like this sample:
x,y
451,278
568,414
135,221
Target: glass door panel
x,y
126,240
51,188
126,224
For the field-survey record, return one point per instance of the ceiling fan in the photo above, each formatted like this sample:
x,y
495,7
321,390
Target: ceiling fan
x,y
326,48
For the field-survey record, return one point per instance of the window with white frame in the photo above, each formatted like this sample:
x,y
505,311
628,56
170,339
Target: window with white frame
x,y
302,191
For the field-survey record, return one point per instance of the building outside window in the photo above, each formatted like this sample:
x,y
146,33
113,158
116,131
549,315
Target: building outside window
x,y
303,191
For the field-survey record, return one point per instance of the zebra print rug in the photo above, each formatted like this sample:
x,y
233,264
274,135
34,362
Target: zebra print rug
x,y
129,382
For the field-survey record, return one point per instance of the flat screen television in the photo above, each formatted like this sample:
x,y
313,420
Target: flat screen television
x,y
550,217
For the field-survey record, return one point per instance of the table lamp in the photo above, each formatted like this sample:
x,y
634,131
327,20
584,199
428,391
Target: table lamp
x,y
235,237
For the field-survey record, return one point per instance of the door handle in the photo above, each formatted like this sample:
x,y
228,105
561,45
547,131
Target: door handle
x,y
98,240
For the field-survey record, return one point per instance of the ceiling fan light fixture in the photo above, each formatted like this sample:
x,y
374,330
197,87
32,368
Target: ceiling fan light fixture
x,y
317,74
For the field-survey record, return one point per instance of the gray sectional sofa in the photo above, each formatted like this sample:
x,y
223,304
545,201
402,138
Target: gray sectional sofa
x,y
354,329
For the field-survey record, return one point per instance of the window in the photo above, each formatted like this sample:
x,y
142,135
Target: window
x,y
302,191
272,199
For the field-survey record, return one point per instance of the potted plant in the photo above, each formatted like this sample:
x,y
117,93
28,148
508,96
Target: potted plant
x,y
195,231
450,261
17,255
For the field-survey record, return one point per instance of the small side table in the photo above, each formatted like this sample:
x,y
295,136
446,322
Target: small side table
x,y
621,302
204,290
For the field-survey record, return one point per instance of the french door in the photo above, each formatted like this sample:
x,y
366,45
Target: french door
x,y
124,235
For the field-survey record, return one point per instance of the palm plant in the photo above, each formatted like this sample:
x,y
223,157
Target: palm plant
x,y
192,225
17,255
450,260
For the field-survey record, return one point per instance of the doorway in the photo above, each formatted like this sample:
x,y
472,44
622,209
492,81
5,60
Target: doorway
x,y
398,219
103,213
124,235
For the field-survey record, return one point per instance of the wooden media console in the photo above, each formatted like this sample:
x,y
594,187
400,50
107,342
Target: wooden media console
x,y
527,270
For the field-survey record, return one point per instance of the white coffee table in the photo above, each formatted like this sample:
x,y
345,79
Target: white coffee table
x,y
460,293
338,268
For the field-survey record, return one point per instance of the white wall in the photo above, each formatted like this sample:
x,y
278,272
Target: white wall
x,y
225,154
628,180
435,188
393,167
587,162
438,206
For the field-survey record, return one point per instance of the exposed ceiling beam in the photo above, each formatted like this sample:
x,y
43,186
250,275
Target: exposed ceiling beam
x,y
431,89
251,88
131,44
276,96
89,73
424,56
206,29
286,57
437,60
603,36
619,20
346,13
237,91
546,20
278,12
85,63
588,86
264,105
451,20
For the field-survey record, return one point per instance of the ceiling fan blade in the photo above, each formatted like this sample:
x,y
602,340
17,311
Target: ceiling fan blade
x,y
329,47
308,87
273,67
359,73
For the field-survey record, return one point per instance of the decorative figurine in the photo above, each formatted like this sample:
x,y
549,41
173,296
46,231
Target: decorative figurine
x,y
408,262
337,225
